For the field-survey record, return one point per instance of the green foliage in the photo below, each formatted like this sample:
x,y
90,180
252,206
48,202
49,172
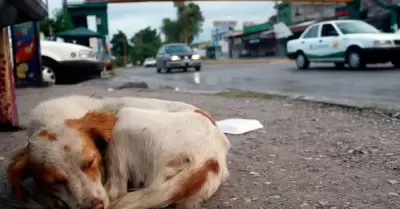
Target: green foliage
x,y
145,44
118,41
57,22
189,15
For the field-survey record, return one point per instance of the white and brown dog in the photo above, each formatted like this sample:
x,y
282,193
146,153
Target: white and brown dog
x,y
64,158
175,157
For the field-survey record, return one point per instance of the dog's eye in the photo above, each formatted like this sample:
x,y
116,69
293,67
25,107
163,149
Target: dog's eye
x,y
89,164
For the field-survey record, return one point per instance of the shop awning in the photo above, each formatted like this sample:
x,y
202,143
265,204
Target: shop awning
x,y
301,26
80,32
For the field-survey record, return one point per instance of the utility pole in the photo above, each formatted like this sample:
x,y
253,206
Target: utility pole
x,y
277,19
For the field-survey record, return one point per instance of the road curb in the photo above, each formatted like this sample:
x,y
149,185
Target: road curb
x,y
387,109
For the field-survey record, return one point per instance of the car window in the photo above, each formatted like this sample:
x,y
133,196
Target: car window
x,y
352,27
328,30
179,48
312,33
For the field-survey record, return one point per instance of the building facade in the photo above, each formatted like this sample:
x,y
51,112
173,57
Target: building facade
x,y
220,42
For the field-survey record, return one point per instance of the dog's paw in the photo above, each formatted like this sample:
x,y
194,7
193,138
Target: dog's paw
x,y
113,191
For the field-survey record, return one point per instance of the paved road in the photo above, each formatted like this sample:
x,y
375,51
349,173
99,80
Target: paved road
x,y
377,84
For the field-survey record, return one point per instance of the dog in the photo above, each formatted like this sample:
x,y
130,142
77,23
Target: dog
x,y
173,157
64,134
75,106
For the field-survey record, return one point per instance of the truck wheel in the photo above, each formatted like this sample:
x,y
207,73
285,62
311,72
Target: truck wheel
x,y
48,73
355,59
302,61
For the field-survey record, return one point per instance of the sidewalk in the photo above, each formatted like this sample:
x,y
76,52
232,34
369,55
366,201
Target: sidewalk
x,y
308,155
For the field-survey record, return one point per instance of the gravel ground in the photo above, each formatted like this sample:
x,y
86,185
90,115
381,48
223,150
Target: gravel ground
x,y
308,155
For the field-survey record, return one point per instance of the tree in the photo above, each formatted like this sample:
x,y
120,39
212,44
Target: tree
x,y
189,15
57,22
145,44
119,43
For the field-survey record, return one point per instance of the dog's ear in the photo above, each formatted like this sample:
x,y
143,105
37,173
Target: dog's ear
x,y
96,124
17,171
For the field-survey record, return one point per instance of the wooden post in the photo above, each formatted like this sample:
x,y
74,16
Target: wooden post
x,y
8,106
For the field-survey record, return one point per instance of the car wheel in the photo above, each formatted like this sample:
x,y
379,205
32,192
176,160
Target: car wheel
x,y
301,61
339,64
185,69
355,59
198,68
159,70
396,63
48,73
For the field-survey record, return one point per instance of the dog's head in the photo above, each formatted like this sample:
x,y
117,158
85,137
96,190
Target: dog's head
x,y
65,161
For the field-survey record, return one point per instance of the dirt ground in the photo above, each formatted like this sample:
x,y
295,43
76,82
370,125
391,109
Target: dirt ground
x,y
307,156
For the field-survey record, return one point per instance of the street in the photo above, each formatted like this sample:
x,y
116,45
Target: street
x,y
375,84
308,155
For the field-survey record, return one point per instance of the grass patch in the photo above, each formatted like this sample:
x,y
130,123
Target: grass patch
x,y
248,94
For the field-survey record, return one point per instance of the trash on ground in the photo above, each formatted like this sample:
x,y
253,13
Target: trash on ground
x,y
238,125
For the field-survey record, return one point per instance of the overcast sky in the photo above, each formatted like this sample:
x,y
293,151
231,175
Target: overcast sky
x,y
131,17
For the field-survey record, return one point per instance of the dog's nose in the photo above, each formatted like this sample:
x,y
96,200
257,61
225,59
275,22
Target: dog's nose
x,y
97,204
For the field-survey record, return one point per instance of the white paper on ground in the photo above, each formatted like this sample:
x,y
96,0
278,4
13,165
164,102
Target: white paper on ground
x,y
238,125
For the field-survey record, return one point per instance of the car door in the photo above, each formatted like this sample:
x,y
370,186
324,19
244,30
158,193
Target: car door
x,y
330,47
309,42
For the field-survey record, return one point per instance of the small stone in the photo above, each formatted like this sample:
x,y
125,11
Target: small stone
x,y
254,199
274,197
392,181
323,202
272,155
254,173
389,154
394,194
304,204
2,158
270,162
110,89
308,158
233,198
267,182
247,200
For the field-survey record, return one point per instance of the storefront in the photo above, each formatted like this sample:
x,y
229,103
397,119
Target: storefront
x,y
256,43
235,44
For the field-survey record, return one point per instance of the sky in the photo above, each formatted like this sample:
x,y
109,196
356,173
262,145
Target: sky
x,y
132,17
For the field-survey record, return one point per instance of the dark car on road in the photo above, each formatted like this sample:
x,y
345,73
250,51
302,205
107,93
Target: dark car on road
x,y
177,56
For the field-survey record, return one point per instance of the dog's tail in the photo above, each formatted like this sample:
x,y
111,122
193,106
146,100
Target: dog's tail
x,y
189,185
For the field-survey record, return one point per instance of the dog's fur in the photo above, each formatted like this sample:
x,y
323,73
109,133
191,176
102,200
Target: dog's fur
x,y
177,158
63,155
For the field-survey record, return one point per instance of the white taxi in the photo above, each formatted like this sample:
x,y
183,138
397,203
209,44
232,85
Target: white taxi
x,y
341,42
